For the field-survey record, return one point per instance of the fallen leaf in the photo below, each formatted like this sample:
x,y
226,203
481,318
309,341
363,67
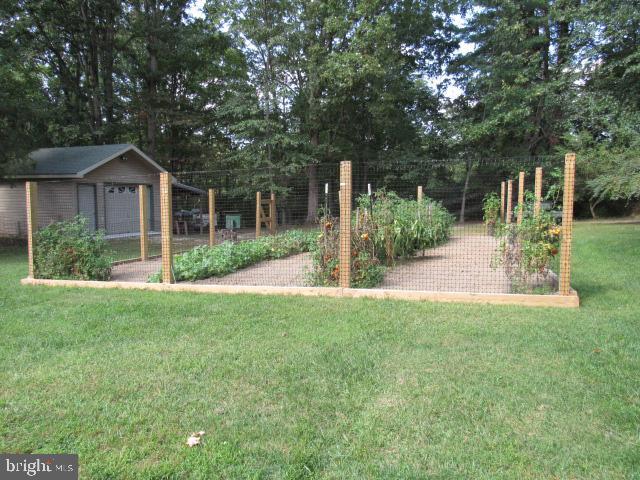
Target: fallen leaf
x,y
194,439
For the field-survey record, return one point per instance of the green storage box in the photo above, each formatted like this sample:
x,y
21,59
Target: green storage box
x,y
232,221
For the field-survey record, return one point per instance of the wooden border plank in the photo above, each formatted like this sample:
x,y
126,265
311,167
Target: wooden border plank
x,y
420,194
561,301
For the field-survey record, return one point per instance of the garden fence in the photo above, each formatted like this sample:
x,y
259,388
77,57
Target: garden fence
x,y
477,226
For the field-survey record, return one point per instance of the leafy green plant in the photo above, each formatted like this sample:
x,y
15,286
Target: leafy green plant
x,y
67,250
366,270
382,230
556,188
400,228
491,205
205,262
527,250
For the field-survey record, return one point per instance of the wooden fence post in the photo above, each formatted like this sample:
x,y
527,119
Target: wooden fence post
x,y
345,224
520,197
258,214
272,214
31,189
420,194
509,200
143,200
538,192
567,223
503,188
166,227
212,217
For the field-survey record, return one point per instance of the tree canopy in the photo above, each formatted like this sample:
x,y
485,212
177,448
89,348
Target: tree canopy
x,y
282,86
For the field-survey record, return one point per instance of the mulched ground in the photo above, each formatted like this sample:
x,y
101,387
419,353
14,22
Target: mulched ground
x,y
461,265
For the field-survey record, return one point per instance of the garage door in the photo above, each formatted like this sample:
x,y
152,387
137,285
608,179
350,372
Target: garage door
x,y
122,209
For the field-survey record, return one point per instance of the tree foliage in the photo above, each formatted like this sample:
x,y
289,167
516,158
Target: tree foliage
x,y
279,87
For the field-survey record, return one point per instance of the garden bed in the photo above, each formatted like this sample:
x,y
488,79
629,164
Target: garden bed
x,y
461,265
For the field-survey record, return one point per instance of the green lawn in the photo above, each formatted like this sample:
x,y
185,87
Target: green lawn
x,y
328,388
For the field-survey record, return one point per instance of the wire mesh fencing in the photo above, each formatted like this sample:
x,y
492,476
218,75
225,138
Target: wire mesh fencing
x,y
461,225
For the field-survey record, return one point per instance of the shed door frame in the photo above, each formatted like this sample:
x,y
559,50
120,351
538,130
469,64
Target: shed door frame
x,y
135,210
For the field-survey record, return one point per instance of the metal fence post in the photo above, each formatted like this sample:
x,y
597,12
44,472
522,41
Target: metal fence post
x,y
345,224
31,189
567,223
166,228
538,192
143,200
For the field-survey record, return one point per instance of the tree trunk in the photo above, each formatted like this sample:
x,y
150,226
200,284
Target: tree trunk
x,y
91,70
151,111
108,46
464,191
151,75
312,176
592,207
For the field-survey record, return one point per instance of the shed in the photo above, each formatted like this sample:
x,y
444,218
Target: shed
x,y
99,182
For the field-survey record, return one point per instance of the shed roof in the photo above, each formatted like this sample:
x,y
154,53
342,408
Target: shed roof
x,y
76,162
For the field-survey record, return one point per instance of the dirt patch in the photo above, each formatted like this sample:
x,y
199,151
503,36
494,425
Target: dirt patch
x,y
285,272
461,265
135,271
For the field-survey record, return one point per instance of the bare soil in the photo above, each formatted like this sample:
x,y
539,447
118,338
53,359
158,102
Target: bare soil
x,y
461,265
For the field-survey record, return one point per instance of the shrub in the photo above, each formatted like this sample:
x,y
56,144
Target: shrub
x,y
227,257
526,251
366,270
491,211
400,228
67,250
382,230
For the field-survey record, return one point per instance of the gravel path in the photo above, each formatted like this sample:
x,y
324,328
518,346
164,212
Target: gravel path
x,y
135,271
285,272
461,265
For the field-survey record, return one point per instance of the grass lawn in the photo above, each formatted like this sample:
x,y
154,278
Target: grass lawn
x,y
328,388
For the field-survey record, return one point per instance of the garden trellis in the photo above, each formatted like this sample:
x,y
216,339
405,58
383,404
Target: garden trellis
x,y
453,230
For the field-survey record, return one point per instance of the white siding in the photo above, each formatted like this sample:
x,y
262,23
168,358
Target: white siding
x,y
13,212
57,200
